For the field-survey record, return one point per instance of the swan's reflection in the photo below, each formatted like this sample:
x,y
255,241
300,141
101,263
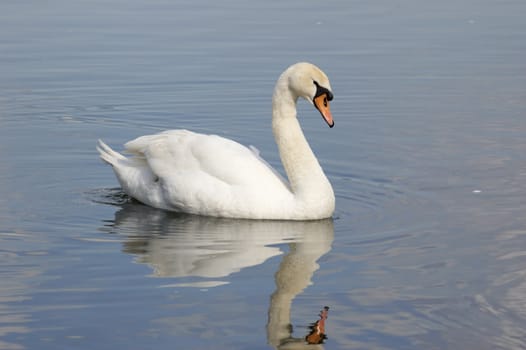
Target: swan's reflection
x,y
182,246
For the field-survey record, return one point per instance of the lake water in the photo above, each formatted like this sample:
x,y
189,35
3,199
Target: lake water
x,y
426,250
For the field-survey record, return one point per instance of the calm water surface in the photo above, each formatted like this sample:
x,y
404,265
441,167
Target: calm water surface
x,y
426,250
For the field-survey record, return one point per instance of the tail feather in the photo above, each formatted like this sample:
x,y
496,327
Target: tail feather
x,y
107,154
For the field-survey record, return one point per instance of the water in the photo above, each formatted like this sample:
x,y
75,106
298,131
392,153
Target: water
x,y
427,246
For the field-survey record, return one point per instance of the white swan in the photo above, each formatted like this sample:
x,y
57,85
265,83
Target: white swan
x,y
183,171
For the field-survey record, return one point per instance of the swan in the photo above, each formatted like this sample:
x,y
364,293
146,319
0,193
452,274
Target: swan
x,y
184,171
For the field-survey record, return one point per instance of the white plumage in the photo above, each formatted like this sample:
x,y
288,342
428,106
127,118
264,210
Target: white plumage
x,y
183,171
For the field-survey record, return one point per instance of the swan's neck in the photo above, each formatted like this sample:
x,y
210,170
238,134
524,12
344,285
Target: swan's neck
x,y
306,177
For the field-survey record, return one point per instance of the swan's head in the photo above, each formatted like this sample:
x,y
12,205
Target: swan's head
x,y
308,81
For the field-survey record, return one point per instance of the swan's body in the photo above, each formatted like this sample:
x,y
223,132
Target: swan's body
x,y
183,171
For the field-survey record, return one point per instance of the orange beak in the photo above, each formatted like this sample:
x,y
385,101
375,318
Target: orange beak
x,y
321,103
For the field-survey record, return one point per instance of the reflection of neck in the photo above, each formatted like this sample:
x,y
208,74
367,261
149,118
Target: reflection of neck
x,y
293,276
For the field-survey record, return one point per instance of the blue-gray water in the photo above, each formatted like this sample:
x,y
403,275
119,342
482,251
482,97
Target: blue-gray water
x,y
427,248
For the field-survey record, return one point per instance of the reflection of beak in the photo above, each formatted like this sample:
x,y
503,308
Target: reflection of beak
x,y
322,104
317,329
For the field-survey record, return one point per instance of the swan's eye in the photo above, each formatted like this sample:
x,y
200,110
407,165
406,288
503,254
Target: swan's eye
x,y
320,90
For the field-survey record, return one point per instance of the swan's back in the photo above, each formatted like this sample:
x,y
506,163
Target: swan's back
x,y
205,174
